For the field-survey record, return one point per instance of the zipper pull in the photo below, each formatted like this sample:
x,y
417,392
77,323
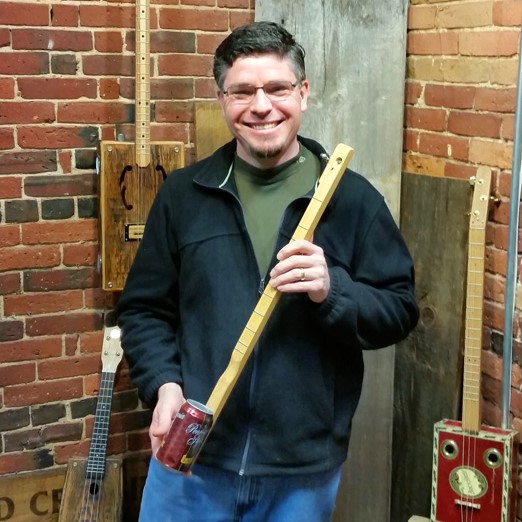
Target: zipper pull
x,y
261,288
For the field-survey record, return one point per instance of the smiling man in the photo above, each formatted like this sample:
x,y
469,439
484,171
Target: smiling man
x,y
217,231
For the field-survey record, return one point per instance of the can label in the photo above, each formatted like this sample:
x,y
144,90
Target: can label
x,y
186,436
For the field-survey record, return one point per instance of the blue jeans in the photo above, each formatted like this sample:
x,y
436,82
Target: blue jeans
x,y
213,495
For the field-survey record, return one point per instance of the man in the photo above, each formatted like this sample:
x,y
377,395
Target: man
x,y
217,231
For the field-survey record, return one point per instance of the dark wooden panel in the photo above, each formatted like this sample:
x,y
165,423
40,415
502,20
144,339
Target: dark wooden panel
x,y
428,364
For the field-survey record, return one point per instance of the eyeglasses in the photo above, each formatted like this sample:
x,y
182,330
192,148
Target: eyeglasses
x,y
275,91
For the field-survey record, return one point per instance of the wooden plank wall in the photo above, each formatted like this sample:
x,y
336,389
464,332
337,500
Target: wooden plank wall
x,y
356,53
428,364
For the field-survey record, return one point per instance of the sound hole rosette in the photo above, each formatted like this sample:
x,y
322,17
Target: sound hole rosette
x,y
493,458
449,449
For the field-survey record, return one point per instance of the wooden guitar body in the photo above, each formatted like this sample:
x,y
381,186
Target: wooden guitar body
x,y
92,500
477,474
126,195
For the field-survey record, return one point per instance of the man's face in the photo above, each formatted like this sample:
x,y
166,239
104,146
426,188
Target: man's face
x,y
265,129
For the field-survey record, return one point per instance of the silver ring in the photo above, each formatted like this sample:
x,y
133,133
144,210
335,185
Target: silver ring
x,y
303,275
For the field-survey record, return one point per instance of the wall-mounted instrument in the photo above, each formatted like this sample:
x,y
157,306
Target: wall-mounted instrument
x,y
131,172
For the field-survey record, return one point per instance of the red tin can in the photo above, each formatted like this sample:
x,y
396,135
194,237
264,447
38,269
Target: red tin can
x,y
186,436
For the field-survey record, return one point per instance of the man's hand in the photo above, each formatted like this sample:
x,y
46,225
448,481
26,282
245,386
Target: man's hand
x,y
302,268
170,400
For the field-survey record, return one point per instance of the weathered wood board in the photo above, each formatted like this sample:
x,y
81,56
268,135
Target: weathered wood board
x,y
211,130
36,496
428,364
355,58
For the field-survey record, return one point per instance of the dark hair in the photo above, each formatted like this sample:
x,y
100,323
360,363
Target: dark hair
x,y
258,38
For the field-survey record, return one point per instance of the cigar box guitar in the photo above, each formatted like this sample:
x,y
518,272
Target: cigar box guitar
x,y
131,172
93,487
474,466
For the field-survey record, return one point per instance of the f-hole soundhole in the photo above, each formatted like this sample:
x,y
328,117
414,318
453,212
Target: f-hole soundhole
x,y
123,188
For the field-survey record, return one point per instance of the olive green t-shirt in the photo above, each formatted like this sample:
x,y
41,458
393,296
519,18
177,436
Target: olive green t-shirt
x,y
265,193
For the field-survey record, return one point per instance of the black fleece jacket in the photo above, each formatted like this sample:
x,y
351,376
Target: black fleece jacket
x,y
195,282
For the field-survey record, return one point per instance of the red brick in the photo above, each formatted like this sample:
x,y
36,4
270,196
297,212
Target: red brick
x,y
85,254
63,453
495,100
24,63
43,392
17,374
17,462
39,303
426,119
9,236
7,88
490,152
95,112
413,91
5,37
26,112
507,13
108,65
19,258
10,188
453,97
207,43
57,137
57,88
69,367
24,13
63,323
52,39
197,19
27,162
56,186
57,279
65,15
107,16
184,65
475,124
508,127
31,349
109,89
47,233
9,284
444,146
99,299
489,43
6,139
433,43
205,88
459,170
108,42
65,160
238,18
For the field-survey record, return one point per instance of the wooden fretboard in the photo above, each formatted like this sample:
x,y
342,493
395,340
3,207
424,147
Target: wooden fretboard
x,y
142,83
471,417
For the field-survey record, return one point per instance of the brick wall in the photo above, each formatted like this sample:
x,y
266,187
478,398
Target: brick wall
x,y
462,74
66,82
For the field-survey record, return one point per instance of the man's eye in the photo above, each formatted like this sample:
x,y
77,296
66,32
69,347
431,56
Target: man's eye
x,y
277,89
242,92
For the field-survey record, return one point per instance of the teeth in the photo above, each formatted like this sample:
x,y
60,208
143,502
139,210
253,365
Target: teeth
x,y
264,126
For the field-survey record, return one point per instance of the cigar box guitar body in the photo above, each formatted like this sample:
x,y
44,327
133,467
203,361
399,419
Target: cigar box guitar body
x,y
474,466
93,487
131,173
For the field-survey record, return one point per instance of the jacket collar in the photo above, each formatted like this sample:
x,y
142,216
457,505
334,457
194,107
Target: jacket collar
x,y
215,170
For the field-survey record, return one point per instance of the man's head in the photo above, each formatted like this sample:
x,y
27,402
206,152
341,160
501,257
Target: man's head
x,y
263,91
256,39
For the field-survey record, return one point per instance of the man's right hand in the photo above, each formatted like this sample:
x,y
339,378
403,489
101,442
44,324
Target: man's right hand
x,y
170,400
